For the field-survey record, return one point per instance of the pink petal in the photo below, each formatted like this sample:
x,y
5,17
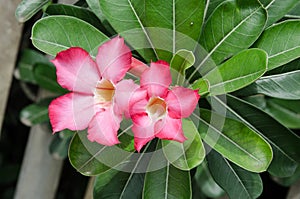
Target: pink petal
x,y
181,102
137,109
104,128
71,111
114,59
171,130
76,71
142,135
125,90
137,67
157,78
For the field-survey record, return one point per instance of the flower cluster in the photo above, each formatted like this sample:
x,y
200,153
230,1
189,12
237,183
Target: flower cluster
x,y
100,96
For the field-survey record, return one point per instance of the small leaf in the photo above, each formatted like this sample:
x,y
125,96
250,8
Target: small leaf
x,y
283,86
281,43
27,8
236,73
26,64
237,182
202,85
181,61
56,33
235,141
45,76
35,113
190,153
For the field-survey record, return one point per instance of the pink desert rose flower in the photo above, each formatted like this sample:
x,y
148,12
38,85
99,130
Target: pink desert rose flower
x,y
98,96
156,110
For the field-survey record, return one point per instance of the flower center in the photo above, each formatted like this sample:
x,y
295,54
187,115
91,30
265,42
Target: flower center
x,y
104,93
156,108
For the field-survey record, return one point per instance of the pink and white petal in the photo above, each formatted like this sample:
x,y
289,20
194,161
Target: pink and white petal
x,y
114,59
71,111
124,90
171,130
103,128
181,102
137,67
142,135
157,78
137,107
76,71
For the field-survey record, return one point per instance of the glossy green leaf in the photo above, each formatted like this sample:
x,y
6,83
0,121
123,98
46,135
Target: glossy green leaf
x,y
286,112
60,144
202,85
75,11
190,153
91,158
289,67
45,76
168,182
27,8
281,42
116,185
236,73
283,86
237,182
234,26
56,33
206,183
277,9
235,141
285,155
182,21
212,5
289,181
181,61
26,64
294,13
35,113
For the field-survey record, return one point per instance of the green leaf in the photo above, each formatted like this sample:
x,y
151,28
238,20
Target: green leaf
x,y
182,60
278,8
237,182
286,112
91,158
285,155
190,153
281,42
212,5
60,144
27,8
45,76
115,184
291,66
168,182
283,86
234,26
75,11
182,21
289,181
206,183
35,113
294,13
26,64
235,141
202,85
56,33
236,73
